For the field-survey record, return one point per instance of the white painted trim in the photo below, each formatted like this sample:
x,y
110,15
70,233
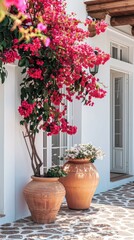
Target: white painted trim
x,y
131,124
121,66
120,33
1,148
49,152
115,35
125,144
9,144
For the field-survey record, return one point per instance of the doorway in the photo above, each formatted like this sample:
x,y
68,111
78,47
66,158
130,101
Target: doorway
x,y
119,164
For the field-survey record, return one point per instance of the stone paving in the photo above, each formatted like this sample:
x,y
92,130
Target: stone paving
x,y
110,217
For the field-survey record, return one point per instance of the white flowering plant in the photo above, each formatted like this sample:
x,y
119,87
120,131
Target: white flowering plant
x,y
84,151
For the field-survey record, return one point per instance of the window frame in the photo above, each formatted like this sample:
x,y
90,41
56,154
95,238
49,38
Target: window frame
x,y
120,47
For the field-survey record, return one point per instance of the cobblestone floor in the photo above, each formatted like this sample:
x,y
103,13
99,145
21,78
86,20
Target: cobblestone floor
x,y
110,217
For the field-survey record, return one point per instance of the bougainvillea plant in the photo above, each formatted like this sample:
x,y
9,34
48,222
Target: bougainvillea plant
x,y
53,56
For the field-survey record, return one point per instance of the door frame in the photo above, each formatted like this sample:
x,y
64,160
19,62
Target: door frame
x,y
125,148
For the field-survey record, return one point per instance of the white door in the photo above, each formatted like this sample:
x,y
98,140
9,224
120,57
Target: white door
x,y
119,122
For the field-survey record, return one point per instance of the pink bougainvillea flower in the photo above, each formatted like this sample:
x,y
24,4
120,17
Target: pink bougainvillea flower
x,y
35,73
20,4
41,27
39,62
56,98
65,127
55,129
26,109
47,41
10,56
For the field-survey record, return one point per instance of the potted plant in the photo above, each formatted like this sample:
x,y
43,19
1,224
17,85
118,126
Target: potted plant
x,y
52,55
82,177
44,195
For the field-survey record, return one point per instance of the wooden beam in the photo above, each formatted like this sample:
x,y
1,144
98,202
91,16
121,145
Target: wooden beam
x,y
98,15
98,1
123,20
122,11
109,5
113,13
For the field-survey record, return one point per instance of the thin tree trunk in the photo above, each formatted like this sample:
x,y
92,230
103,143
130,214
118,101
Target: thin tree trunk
x,y
36,162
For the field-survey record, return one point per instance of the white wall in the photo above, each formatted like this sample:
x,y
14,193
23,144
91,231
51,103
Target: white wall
x,y
23,171
9,145
1,149
77,7
17,168
92,125
96,119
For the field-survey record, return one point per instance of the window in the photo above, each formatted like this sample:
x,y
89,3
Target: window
x,y
59,144
114,53
119,52
55,146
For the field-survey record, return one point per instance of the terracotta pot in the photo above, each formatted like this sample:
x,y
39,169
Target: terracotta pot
x,y
92,30
80,183
44,197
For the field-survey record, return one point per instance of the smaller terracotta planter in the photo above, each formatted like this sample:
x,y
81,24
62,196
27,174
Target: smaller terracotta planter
x,y
80,183
44,197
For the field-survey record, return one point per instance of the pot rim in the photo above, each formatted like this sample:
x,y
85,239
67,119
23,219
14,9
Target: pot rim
x,y
45,179
79,160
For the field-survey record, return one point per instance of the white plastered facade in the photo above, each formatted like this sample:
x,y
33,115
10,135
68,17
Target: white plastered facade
x,y
93,124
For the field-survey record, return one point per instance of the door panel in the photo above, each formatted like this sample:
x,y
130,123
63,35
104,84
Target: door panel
x,y
119,122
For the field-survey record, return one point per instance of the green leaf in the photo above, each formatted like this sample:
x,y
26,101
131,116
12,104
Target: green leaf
x,y
44,117
1,48
22,62
23,71
22,122
46,106
23,93
2,28
3,75
5,22
0,63
26,62
3,43
31,127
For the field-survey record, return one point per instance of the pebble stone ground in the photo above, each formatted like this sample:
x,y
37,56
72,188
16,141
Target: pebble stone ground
x,y
110,217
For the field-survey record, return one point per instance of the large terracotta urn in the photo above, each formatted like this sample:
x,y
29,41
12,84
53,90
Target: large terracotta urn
x,y
80,183
44,197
